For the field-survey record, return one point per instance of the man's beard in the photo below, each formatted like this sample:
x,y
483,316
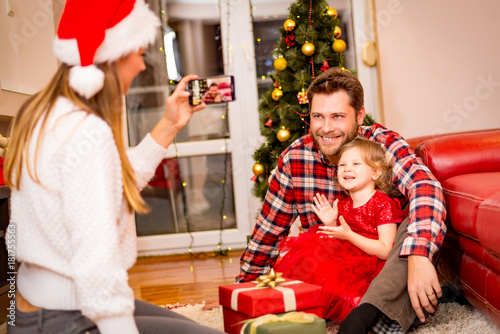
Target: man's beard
x,y
330,151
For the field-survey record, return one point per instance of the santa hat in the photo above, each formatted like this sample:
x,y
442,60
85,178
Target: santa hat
x,y
94,32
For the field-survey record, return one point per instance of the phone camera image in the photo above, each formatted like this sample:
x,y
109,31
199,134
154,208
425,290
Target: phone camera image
x,y
212,90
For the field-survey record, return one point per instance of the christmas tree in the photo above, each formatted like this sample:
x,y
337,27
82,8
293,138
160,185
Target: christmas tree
x,y
310,43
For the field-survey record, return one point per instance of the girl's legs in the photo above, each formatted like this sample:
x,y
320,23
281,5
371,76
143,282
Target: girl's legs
x,y
360,320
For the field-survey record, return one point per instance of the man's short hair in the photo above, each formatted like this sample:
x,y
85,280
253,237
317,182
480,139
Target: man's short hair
x,y
334,80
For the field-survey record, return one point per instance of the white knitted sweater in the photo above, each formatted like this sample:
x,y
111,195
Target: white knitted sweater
x,y
74,236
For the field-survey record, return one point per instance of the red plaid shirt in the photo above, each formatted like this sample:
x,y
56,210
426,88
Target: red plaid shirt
x,y
208,98
303,171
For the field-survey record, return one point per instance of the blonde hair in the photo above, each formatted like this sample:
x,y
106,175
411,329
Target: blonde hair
x,y
106,104
374,156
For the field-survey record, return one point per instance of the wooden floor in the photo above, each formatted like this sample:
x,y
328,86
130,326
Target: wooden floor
x,y
183,279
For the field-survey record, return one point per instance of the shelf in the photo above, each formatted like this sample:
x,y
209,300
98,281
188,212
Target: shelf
x,y
4,192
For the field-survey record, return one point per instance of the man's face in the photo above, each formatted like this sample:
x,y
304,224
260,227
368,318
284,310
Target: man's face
x,y
213,90
333,122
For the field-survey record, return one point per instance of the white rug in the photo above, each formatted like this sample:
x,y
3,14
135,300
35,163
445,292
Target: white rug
x,y
451,318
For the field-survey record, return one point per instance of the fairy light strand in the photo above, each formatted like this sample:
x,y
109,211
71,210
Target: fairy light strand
x,y
312,41
220,251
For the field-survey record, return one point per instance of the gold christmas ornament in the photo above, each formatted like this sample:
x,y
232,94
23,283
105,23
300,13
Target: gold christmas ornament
x,y
337,32
277,94
271,280
339,46
308,49
289,25
283,135
258,169
331,12
280,64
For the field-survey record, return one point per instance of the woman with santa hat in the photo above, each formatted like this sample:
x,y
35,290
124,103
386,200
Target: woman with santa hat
x,y
75,187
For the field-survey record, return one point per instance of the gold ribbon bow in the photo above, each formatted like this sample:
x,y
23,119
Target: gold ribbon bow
x,y
297,317
271,280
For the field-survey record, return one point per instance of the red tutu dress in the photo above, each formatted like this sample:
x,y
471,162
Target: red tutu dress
x,y
342,269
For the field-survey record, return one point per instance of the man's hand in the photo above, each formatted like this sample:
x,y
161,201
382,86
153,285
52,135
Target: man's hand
x,y
423,285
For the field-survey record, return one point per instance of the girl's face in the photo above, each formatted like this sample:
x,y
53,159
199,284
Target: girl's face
x,y
129,66
353,173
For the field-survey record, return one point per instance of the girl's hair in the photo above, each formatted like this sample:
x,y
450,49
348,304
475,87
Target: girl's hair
x,y
107,104
374,156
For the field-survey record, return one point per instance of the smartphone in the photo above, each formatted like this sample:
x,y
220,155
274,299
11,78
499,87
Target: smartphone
x,y
211,90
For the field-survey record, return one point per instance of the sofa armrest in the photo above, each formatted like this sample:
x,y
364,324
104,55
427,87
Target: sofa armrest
x,y
457,154
415,141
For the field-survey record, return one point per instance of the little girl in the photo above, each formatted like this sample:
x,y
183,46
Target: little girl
x,y
346,253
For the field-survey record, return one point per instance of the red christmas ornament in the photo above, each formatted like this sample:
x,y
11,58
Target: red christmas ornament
x,y
325,66
302,97
254,178
290,40
269,123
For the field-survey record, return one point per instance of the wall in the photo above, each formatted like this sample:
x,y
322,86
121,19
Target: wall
x,y
439,65
26,31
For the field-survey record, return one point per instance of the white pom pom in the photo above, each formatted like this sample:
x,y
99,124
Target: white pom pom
x,y
86,81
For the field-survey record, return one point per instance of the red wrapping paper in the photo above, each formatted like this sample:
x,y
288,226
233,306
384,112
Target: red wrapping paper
x,y
244,301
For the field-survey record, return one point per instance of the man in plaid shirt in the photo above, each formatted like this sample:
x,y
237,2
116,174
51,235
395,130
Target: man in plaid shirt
x,y
408,283
213,95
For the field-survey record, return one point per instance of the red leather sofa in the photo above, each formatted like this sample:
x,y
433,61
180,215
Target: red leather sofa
x,y
468,167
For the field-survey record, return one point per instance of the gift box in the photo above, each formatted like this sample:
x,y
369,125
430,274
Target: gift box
x,y
245,301
287,324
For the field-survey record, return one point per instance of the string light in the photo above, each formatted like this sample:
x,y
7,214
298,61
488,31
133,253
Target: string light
x,y
311,26
219,251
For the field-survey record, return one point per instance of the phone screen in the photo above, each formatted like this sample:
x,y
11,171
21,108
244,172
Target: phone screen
x,y
211,90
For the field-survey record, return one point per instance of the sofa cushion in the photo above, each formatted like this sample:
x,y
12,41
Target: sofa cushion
x,y
463,265
473,249
457,154
488,223
464,194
